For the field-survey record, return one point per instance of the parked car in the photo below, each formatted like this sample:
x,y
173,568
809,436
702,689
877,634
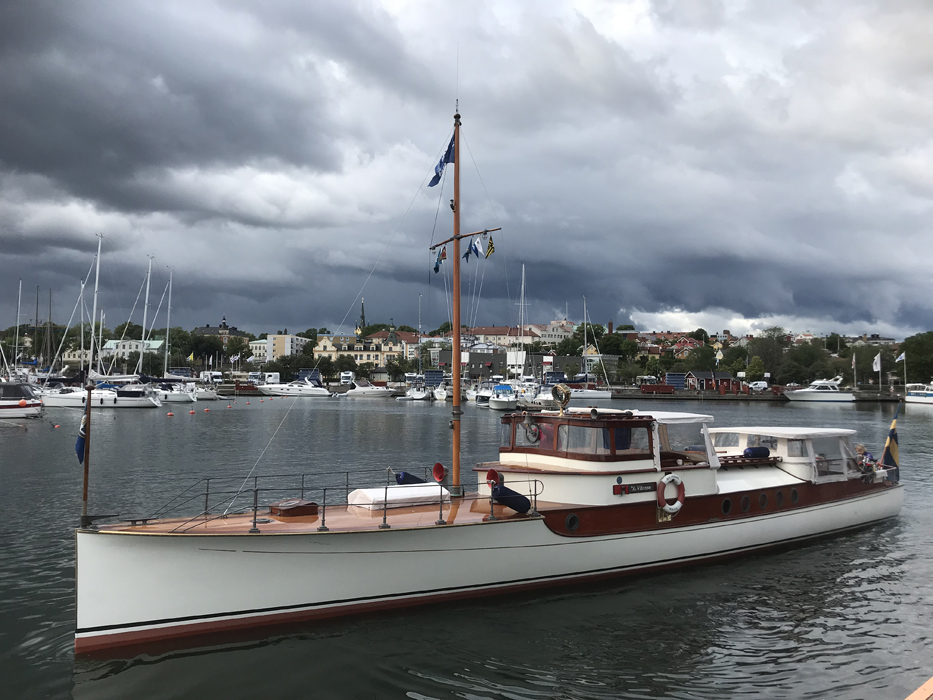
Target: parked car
x,y
758,386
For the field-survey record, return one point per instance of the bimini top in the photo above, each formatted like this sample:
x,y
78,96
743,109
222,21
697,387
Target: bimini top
x,y
786,433
659,416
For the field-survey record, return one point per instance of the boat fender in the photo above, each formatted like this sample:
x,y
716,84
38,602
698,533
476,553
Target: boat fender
x,y
403,478
681,494
756,452
509,498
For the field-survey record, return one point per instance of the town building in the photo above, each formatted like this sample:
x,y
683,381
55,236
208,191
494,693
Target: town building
x,y
223,331
122,348
284,345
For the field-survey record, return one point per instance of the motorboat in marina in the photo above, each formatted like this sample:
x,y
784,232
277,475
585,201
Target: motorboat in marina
x,y
300,387
362,388
503,398
440,392
573,495
416,392
20,400
822,390
919,393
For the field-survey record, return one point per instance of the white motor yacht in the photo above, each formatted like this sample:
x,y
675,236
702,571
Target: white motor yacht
x,y
361,388
299,387
919,393
503,398
826,390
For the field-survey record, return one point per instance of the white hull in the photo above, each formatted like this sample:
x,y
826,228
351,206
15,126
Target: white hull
x,y
820,396
100,398
509,404
276,578
177,397
295,389
206,395
440,394
372,392
590,394
14,410
926,398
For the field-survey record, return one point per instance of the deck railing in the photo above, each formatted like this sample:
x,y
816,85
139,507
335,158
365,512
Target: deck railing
x,y
220,497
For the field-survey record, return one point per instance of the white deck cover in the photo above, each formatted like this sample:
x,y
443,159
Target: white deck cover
x,y
398,496
787,433
659,416
732,481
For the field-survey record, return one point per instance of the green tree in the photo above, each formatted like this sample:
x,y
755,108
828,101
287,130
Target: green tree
x,y
653,367
918,353
702,358
407,329
755,371
365,369
626,327
238,346
701,335
445,327
373,328
310,334
345,363
326,366
128,330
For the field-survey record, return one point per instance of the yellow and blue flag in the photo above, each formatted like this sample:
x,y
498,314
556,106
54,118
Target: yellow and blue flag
x,y
890,458
191,357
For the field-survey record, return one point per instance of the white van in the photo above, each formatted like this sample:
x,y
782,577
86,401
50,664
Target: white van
x,y
211,377
347,377
758,386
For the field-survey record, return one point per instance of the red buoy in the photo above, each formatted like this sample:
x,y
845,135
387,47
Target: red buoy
x,y
191,412
207,410
22,403
170,414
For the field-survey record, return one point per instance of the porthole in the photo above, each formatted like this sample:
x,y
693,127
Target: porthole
x,y
572,522
779,498
763,501
746,503
726,506
794,496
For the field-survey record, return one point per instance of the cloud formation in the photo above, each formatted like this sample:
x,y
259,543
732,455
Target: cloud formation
x,y
696,163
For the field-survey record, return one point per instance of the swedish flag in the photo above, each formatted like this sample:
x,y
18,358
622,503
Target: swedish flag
x,y
890,458
82,436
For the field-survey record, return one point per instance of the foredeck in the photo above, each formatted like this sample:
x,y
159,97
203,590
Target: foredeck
x,y
469,510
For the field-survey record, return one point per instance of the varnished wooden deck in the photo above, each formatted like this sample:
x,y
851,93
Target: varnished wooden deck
x,y
464,511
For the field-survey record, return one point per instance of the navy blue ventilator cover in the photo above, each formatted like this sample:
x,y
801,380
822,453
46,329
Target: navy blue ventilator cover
x,y
508,497
403,478
757,452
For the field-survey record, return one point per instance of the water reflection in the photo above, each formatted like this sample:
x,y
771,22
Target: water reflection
x,y
843,618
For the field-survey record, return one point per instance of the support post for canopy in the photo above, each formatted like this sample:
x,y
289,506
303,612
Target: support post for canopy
x,y
85,520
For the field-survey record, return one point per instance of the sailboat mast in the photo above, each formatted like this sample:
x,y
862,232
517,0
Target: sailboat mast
x,y
81,365
455,487
35,333
168,320
19,301
142,344
93,319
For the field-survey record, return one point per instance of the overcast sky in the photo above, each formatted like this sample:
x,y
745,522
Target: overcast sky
x,y
680,164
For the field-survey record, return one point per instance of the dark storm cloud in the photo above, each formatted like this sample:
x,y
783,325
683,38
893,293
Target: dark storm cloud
x,y
669,161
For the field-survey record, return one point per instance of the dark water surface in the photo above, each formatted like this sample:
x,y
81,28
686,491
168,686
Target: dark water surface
x,y
848,617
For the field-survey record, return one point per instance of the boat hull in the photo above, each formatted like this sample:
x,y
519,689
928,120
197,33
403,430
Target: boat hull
x,y
919,398
185,585
820,396
100,398
32,409
502,404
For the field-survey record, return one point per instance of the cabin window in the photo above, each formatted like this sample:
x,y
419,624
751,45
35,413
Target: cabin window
x,y
797,448
768,441
505,435
631,441
725,439
684,438
534,435
830,460
583,439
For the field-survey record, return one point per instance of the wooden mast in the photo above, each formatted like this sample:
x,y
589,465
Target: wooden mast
x,y
456,489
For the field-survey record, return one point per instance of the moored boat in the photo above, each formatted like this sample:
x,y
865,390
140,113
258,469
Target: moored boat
x,y
503,398
919,393
19,400
361,388
573,496
822,390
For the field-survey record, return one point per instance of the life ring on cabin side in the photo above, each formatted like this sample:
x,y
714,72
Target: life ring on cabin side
x,y
671,509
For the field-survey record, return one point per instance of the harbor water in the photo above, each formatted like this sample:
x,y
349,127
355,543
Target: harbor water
x,y
846,617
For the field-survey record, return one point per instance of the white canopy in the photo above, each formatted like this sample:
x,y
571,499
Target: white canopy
x,y
659,416
398,496
787,433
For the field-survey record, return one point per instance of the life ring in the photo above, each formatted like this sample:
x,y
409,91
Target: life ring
x,y
681,493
